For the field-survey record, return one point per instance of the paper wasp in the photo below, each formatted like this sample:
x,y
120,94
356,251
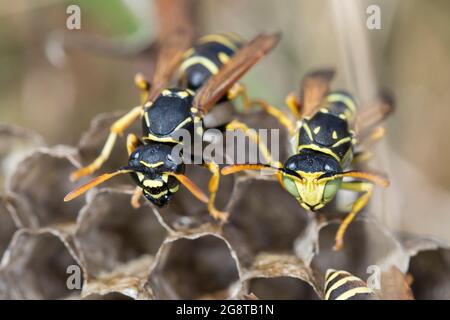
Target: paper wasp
x,y
211,68
341,285
323,146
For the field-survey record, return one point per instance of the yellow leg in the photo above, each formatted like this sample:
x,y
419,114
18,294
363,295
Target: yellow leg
x,y
213,187
360,203
137,194
143,85
278,114
132,143
362,157
293,105
237,125
239,90
116,129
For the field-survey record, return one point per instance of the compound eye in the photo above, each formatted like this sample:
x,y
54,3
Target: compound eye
x,y
291,187
135,155
331,188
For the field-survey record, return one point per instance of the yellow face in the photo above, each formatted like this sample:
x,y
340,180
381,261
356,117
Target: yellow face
x,y
311,191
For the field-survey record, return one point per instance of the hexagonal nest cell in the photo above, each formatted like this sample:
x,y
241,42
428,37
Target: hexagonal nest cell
x,y
195,268
282,288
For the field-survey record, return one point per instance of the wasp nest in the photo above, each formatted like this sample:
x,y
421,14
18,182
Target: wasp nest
x,y
270,249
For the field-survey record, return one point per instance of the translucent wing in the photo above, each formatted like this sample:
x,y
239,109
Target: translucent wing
x,y
375,113
218,85
315,85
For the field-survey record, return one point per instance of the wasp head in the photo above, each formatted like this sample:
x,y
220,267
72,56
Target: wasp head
x,y
310,177
150,165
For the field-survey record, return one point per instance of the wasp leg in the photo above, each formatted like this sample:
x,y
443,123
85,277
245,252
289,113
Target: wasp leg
x,y
116,129
356,186
132,143
143,85
136,197
239,90
271,110
282,118
362,157
237,125
293,104
367,143
213,186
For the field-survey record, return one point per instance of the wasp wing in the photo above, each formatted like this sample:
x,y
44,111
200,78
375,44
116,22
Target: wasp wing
x,y
219,84
372,115
315,85
170,55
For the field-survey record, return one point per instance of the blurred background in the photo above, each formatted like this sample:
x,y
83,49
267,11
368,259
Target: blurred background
x,y
54,81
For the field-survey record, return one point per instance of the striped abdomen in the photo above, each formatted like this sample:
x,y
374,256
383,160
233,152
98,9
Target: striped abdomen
x,y
340,104
206,57
341,285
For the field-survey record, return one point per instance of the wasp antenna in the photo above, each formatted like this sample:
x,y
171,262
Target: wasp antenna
x,y
190,185
243,167
94,182
372,177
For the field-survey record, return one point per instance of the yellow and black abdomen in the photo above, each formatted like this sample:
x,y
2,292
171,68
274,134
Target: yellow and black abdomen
x,y
341,104
341,285
206,57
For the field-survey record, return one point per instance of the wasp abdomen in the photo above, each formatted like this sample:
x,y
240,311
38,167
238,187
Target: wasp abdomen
x,y
341,285
341,104
206,57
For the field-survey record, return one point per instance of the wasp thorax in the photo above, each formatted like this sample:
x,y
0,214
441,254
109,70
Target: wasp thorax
x,y
169,113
